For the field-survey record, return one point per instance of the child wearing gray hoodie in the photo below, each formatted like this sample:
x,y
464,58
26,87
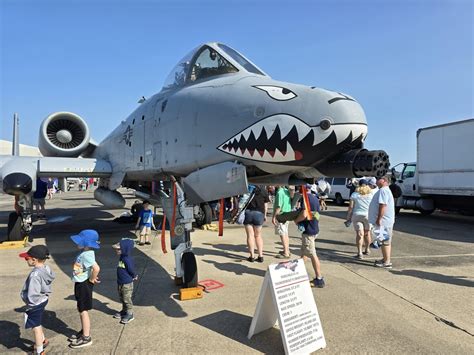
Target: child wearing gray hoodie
x,y
35,293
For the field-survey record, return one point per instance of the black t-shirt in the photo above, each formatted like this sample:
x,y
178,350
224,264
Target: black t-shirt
x,y
259,200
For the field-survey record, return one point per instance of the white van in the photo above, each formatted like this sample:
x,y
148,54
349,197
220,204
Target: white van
x,y
339,191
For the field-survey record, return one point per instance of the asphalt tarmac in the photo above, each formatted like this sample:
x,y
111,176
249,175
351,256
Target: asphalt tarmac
x,y
424,305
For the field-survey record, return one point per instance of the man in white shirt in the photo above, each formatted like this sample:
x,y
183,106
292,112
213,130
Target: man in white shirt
x,y
382,214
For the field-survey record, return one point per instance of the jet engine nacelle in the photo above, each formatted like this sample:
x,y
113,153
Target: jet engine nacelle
x,y
63,134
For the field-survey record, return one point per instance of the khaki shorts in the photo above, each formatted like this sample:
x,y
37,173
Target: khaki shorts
x,y
360,223
308,246
144,230
281,228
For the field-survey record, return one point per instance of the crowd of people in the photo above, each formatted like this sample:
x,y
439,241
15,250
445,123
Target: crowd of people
x,y
371,211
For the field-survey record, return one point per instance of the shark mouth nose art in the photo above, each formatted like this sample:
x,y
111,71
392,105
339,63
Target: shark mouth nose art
x,y
284,138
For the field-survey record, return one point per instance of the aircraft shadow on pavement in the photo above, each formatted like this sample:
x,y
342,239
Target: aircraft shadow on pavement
x,y
10,336
438,226
155,285
236,326
153,288
238,269
432,276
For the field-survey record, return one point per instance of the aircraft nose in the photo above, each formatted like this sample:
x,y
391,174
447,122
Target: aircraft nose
x,y
17,184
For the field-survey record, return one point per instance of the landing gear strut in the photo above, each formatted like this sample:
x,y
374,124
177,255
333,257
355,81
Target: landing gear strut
x,y
186,266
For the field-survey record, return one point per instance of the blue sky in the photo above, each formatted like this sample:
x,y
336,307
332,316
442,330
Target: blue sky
x,y
409,63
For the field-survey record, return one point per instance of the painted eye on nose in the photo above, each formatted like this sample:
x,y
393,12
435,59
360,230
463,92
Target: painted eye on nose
x,y
325,124
276,92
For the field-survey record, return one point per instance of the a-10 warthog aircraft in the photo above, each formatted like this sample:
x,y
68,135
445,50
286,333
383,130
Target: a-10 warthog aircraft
x,y
218,124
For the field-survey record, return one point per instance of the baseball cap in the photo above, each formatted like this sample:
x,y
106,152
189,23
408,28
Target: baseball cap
x,y
363,182
87,238
372,181
40,252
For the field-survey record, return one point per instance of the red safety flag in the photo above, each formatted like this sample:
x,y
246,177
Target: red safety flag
x,y
163,235
173,219
221,219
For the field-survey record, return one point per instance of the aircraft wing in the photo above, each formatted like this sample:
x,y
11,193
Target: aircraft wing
x,y
56,167
18,172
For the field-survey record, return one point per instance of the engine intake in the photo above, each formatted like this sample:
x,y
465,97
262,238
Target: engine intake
x,y
63,134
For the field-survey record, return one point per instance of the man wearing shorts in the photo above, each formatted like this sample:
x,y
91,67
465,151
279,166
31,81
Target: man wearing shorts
x,y
382,214
282,204
145,222
310,233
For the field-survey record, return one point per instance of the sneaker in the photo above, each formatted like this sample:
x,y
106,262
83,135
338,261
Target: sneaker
x,y
319,283
250,259
260,259
75,337
33,347
147,243
283,256
141,244
127,318
380,263
81,342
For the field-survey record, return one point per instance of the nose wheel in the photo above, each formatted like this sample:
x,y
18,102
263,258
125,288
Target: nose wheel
x,y
20,223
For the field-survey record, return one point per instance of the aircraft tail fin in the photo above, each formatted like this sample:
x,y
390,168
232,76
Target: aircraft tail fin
x,y
15,140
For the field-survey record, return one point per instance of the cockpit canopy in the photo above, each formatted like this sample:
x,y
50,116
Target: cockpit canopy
x,y
207,61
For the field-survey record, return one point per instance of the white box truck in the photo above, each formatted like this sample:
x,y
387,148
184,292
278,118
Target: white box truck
x,y
443,175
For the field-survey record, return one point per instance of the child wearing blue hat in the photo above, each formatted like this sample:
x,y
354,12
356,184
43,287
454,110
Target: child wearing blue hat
x,y
85,275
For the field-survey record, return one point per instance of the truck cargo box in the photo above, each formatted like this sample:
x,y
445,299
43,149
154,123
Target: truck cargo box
x,y
446,159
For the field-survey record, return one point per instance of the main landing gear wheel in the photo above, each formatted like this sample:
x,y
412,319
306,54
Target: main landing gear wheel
x,y
204,215
190,277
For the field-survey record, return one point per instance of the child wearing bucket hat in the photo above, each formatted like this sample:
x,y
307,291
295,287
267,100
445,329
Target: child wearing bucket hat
x,y
85,275
35,293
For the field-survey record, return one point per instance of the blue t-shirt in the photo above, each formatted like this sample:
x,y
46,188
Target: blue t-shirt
x,y
82,268
41,189
311,227
146,217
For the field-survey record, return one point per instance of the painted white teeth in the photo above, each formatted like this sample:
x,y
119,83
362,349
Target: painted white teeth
x,y
303,130
278,155
266,155
319,136
290,153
